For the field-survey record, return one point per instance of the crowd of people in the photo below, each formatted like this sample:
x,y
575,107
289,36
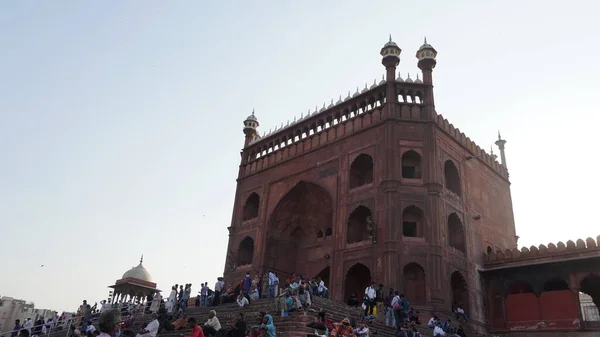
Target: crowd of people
x,y
295,293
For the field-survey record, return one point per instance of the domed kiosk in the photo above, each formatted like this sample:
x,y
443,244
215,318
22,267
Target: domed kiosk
x,y
135,285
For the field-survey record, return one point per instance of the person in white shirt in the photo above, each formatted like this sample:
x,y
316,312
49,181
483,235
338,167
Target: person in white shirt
x,y
273,281
438,331
432,322
322,289
212,325
242,301
370,295
151,329
90,327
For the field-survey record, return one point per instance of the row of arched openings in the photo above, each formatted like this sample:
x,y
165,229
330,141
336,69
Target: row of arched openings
x,y
414,283
361,173
413,223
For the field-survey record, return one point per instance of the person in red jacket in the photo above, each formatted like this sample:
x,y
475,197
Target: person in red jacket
x,y
196,329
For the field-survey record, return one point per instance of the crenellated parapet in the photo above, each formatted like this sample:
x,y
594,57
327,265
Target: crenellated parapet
x,y
588,247
474,149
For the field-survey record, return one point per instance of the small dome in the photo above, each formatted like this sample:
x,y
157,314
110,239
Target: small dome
x,y
252,117
399,78
408,79
426,51
390,43
418,80
139,273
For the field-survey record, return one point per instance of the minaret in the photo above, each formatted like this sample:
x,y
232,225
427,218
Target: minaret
x,y
250,125
426,56
390,54
492,154
500,143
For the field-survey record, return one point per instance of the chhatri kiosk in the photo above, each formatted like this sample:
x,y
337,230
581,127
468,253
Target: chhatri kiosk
x,y
135,285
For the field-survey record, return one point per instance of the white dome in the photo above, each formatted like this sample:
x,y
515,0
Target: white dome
x,y
139,273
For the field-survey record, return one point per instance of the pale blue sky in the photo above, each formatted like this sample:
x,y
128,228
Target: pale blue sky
x,y
121,121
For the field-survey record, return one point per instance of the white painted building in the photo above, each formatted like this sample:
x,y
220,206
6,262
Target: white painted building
x,y
12,309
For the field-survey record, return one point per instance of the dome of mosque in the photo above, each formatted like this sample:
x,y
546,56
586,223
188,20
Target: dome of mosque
x,y
139,273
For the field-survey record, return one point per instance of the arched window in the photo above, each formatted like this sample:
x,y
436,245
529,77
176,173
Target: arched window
x,y
412,222
329,232
357,225
251,207
361,171
456,233
452,177
411,165
245,251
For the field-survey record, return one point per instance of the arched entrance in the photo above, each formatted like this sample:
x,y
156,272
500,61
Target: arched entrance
x,y
294,224
358,278
590,285
324,275
460,295
245,251
414,283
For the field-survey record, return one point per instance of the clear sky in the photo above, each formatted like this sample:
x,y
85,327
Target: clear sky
x,y
121,121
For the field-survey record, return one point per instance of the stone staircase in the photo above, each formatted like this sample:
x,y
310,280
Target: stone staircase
x,y
288,326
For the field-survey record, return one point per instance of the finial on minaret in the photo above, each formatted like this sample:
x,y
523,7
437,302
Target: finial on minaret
x,y
500,143
390,37
142,259
250,126
425,40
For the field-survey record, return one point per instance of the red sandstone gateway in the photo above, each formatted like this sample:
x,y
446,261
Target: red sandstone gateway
x,y
379,187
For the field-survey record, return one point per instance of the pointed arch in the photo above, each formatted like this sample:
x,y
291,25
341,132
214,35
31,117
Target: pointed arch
x,y
411,165
297,217
361,171
413,222
358,278
325,275
357,228
245,251
456,233
251,207
414,283
460,294
452,177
